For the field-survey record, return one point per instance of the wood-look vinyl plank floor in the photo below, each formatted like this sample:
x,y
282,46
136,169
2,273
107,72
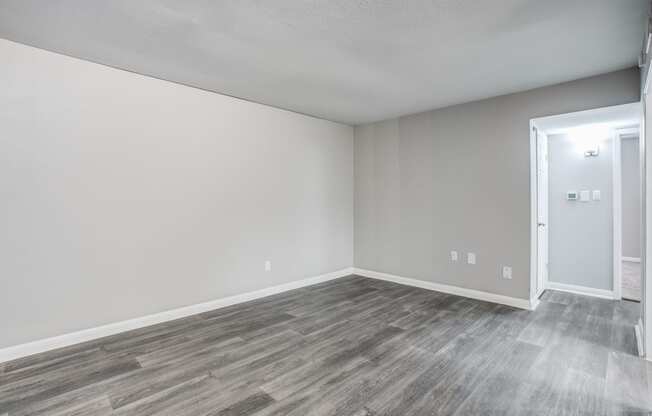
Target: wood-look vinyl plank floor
x,y
350,347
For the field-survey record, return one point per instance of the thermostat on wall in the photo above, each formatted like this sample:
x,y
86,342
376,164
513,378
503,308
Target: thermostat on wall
x,y
571,195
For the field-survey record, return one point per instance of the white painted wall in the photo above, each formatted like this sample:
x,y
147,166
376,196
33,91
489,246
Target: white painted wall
x,y
124,195
459,178
581,233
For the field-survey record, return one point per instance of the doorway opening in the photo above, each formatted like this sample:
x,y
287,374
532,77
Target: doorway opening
x,y
586,203
628,144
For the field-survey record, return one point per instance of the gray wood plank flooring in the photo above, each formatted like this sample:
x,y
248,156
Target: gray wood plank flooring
x,y
353,346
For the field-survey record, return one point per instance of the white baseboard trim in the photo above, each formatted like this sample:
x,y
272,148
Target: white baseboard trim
x,y
453,290
534,303
581,290
35,347
638,332
631,259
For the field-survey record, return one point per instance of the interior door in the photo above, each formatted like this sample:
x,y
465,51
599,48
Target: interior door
x,y
542,211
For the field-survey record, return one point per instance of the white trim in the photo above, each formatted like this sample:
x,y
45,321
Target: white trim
x,y
578,117
581,290
618,258
453,290
35,347
631,259
534,302
645,147
533,214
638,332
646,87
643,328
617,246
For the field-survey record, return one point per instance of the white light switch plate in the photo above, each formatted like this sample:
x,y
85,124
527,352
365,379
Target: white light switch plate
x,y
268,266
585,196
507,272
470,258
454,256
596,195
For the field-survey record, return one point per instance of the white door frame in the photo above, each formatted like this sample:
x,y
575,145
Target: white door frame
x,y
644,329
617,137
615,293
617,213
542,282
534,232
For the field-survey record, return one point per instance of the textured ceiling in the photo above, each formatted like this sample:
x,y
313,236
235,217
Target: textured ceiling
x,y
352,61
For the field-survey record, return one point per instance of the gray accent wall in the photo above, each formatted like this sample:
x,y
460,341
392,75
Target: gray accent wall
x,y
458,178
631,197
580,233
124,195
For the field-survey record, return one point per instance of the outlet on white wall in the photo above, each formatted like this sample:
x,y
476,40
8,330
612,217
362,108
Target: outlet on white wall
x,y
268,266
454,256
507,272
470,258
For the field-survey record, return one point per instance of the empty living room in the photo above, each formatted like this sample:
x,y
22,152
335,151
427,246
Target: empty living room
x,y
325,208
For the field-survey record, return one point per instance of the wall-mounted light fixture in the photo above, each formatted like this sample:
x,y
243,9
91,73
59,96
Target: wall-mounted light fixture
x,y
592,152
589,137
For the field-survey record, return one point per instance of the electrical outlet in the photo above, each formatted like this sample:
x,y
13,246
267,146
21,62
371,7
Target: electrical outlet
x,y
268,266
470,258
507,272
454,256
